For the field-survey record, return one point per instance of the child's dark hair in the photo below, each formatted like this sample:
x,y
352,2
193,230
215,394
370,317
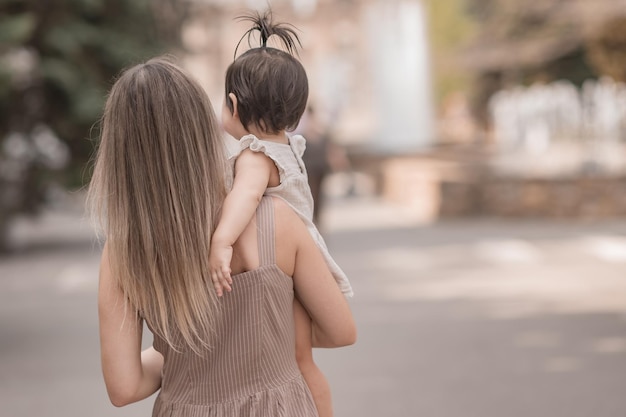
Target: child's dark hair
x,y
271,85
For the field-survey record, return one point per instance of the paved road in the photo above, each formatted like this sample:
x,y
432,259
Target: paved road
x,y
469,318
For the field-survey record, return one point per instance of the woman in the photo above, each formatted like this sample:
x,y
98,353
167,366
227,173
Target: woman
x,y
158,186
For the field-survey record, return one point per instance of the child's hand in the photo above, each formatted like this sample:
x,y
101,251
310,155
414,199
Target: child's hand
x,y
219,262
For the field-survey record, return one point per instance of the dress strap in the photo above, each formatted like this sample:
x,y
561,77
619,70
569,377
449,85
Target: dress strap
x,y
265,232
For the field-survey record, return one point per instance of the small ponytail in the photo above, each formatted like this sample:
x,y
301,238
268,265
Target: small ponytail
x,y
267,28
270,83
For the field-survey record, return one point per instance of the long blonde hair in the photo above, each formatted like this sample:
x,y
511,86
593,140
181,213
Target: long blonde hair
x,y
156,191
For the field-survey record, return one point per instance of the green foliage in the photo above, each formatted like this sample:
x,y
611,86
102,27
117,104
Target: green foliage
x,y
524,42
58,59
606,50
17,29
450,28
530,41
450,25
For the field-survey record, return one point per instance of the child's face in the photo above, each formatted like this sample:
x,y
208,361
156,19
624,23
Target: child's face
x,y
231,123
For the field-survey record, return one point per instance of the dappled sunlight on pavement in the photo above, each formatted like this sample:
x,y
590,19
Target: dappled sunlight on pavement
x,y
463,318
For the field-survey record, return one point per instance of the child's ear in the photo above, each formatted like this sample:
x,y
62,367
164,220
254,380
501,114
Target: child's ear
x,y
233,101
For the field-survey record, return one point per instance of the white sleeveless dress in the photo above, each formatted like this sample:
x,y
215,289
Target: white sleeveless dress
x,y
293,188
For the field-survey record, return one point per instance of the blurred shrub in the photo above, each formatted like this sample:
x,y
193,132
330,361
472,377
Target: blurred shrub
x,y
607,50
57,61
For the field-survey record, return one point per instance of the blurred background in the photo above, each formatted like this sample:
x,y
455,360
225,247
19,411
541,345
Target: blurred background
x,y
470,168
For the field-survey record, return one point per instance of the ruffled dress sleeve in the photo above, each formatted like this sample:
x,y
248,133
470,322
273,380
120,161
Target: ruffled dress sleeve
x,y
298,144
254,144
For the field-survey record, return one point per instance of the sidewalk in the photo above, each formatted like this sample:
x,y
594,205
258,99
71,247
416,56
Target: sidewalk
x,y
487,318
367,213
69,224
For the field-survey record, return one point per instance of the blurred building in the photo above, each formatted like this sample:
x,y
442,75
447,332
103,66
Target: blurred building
x,y
370,77
367,62
549,104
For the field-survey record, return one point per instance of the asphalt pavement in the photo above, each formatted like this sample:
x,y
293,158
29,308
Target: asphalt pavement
x,y
463,318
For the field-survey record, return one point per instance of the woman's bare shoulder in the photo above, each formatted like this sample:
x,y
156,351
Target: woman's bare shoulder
x,y
285,216
289,234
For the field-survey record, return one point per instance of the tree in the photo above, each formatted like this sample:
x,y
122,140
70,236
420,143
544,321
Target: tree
x,y
58,58
521,43
606,49
450,28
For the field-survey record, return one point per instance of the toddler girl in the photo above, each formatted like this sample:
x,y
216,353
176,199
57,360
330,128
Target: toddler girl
x,y
266,95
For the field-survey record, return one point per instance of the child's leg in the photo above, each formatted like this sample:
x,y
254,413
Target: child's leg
x,y
315,379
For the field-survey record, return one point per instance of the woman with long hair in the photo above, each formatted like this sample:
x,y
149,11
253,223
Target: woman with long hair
x,y
157,190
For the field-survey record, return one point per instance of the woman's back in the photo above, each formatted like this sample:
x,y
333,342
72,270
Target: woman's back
x,y
158,189
251,369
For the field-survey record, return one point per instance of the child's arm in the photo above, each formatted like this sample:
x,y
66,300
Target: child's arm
x,y
252,175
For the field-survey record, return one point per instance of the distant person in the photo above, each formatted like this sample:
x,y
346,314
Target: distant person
x,y
321,157
158,187
266,94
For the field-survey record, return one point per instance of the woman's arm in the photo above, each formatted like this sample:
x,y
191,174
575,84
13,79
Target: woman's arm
x,y
130,375
317,290
252,176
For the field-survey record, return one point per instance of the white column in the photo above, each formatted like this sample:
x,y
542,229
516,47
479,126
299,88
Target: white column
x,y
400,64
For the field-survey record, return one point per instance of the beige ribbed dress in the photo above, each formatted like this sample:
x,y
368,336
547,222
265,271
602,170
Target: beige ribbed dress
x,y
294,189
252,370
